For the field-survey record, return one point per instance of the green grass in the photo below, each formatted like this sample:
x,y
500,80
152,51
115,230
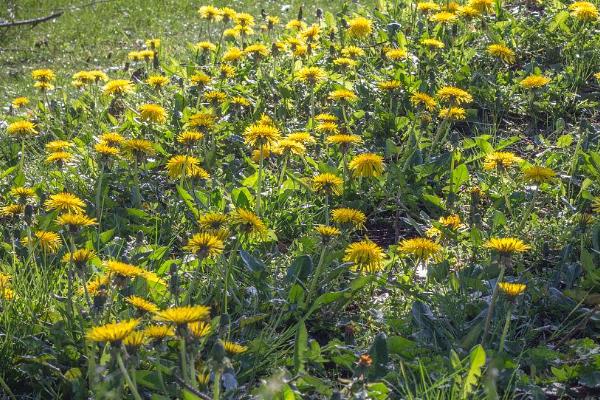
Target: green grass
x,y
101,35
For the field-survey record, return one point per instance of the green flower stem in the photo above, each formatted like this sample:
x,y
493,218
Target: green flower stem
x,y
130,383
217,385
99,202
22,158
259,181
318,272
326,209
528,210
183,359
505,329
283,171
194,284
228,273
505,263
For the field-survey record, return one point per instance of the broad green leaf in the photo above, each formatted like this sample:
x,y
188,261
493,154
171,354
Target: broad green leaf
x,y
300,346
476,364
188,200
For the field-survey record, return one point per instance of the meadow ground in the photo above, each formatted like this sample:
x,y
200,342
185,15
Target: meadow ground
x,y
94,34
392,202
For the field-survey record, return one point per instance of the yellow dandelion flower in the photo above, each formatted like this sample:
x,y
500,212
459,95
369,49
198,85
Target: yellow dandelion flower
x,y
58,145
348,217
451,221
311,33
244,19
20,102
189,138
234,348
302,137
433,43
295,24
512,289
65,202
427,6
153,43
142,304
59,157
420,248
157,81
113,332
388,86
256,51
21,129
311,75
596,204
205,245
502,52
227,71
444,17
367,165
327,127
500,159
183,315
94,286
105,150
288,146
43,75
342,95
538,174
584,11
23,193
248,222
353,52
260,135
213,221
534,82
454,113
43,86
203,120
11,210
118,87
4,280
159,332
123,269
48,241
468,12
200,79
232,54
365,256
152,113
215,97
328,184
482,6
75,221
199,329
181,165
344,63
134,340
360,27
396,54
240,102
506,245
139,147
327,232
454,95
205,46
80,257
209,13
112,138
423,99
